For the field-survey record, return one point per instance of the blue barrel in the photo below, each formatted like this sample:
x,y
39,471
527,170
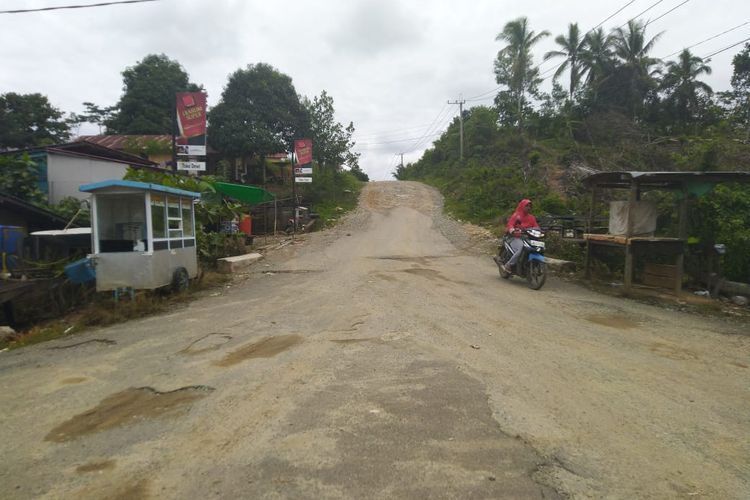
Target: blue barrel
x,y
80,271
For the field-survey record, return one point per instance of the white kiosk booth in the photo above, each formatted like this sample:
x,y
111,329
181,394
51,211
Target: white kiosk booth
x,y
143,235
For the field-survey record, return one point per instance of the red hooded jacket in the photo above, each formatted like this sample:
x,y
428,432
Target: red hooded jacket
x,y
521,220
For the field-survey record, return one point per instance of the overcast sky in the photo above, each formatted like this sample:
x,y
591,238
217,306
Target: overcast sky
x,y
389,65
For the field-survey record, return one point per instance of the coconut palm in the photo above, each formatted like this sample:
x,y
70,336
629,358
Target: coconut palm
x,y
682,85
572,47
514,64
631,47
597,57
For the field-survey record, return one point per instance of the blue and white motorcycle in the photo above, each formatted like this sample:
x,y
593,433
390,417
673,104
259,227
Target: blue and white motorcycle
x,y
530,264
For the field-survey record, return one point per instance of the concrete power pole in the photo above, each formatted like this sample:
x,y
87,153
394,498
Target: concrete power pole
x,y
460,103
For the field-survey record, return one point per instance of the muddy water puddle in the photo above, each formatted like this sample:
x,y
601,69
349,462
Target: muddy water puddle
x,y
265,348
96,466
127,407
613,321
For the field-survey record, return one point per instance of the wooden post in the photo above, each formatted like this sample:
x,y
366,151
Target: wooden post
x,y
590,223
680,261
632,198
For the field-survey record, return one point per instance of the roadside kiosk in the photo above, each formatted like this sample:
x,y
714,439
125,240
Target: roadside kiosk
x,y
143,235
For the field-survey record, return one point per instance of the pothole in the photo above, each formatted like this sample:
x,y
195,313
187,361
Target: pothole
x,y
127,407
86,342
210,342
265,348
613,321
96,466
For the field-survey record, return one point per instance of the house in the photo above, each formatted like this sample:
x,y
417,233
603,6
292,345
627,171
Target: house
x,y
156,148
17,212
64,167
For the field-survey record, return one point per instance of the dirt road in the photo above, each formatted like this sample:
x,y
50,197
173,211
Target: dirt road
x,y
384,359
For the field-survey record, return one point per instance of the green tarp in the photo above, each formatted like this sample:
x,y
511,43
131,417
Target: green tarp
x,y
250,195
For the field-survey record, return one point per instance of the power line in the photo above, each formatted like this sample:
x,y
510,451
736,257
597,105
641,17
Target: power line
x,y
667,12
86,6
708,39
726,48
430,129
392,132
641,13
392,142
611,16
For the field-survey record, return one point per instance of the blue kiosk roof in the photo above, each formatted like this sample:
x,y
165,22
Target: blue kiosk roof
x,y
147,186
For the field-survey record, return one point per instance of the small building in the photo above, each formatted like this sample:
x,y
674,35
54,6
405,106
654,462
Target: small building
x,y
64,167
143,235
155,148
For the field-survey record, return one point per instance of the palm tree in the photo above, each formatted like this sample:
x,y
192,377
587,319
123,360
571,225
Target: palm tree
x,y
682,85
631,47
597,57
571,49
514,65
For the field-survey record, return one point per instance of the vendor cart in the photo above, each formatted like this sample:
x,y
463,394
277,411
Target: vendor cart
x,y
143,235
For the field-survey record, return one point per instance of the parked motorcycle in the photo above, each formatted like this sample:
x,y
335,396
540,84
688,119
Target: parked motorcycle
x,y
530,264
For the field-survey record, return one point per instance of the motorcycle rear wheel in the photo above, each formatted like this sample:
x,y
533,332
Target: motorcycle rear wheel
x,y
536,275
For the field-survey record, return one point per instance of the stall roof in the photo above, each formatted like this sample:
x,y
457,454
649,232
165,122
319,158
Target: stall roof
x,y
147,186
251,195
663,180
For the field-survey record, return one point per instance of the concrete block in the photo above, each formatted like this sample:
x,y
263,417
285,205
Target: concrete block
x,y
238,263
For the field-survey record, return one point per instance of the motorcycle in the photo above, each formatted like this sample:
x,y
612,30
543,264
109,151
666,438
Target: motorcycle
x,y
530,264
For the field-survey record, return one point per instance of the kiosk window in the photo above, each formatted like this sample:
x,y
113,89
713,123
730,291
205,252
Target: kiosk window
x,y
187,217
121,223
158,216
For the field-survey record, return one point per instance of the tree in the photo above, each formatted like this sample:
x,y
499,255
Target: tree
x,y
259,114
332,143
28,120
637,67
94,114
147,103
683,88
514,68
597,59
741,88
19,176
572,47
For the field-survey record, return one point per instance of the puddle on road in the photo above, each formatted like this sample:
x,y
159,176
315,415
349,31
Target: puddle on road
x,y
350,341
73,380
210,342
613,321
265,348
127,407
96,466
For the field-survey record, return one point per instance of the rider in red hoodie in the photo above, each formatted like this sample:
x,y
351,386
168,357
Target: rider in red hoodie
x,y
521,219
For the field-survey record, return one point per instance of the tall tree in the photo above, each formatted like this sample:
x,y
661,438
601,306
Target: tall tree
x,y
332,142
571,48
259,114
514,67
28,120
597,58
148,99
683,88
638,67
741,88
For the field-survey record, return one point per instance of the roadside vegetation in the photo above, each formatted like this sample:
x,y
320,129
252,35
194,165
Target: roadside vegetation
x,y
613,106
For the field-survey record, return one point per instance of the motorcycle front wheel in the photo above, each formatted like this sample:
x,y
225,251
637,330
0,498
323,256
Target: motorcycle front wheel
x,y
537,274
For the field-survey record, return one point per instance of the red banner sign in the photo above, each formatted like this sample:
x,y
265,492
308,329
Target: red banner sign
x,y
191,118
303,150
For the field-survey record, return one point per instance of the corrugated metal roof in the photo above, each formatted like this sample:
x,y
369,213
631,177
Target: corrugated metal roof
x,y
122,142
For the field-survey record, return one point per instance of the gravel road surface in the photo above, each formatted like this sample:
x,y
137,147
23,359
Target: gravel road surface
x,y
384,359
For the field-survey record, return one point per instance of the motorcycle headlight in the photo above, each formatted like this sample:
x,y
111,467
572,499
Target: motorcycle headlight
x,y
535,233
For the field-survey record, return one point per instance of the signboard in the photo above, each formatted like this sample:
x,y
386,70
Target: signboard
x,y
189,150
303,150
191,123
303,179
302,170
196,166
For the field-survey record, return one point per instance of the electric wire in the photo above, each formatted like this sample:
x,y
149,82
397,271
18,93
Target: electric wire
x,y
640,14
726,48
667,12
84,6
708,39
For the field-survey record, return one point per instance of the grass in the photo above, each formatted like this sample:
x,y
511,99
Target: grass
x,y
102,310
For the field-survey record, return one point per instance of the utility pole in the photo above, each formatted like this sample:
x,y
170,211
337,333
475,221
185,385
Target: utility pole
x,y
461,101
402,160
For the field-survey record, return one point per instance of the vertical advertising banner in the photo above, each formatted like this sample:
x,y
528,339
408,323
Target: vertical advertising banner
x,y
191,123
303,150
